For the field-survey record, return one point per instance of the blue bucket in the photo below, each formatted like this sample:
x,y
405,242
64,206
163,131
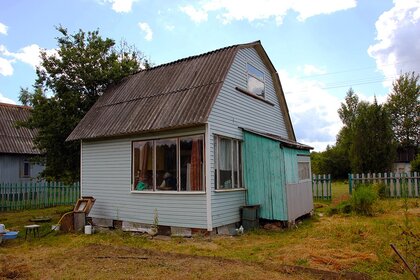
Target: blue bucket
x,y
10,235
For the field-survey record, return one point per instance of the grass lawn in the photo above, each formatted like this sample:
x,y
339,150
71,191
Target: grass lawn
x,y
333,243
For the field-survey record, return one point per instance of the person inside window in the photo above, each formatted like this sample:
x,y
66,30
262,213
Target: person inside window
x,y
168,183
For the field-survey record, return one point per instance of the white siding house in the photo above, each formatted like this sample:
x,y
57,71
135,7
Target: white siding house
x,y
168,140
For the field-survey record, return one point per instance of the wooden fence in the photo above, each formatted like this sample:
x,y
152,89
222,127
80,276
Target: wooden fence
x,y
19,196
396,184
321,187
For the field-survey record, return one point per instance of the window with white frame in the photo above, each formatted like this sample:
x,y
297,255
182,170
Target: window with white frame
x,y
255,80
170,164
304,168
228,164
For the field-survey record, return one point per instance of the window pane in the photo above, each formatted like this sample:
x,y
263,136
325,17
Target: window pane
x,y
255,86
235,164
303,168
255,72
225,163
166,165
192,167
143,165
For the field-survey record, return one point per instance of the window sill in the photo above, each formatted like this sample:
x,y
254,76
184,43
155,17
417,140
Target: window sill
x,y
229,190
244,91
168,192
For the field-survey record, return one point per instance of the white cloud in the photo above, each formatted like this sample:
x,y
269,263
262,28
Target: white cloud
x,y
313,111
120,6
169,27
144,26
3,28
4,99
309,69
397,47
251,10
6,68
196,15
29,55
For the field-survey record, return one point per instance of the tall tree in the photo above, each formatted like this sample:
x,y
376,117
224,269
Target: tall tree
x,y
68,84
403,105
372,148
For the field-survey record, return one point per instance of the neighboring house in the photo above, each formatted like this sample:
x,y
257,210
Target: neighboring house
x,y
195,140
405,155
16,146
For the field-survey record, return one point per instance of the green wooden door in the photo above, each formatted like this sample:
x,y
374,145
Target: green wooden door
x,y
263,167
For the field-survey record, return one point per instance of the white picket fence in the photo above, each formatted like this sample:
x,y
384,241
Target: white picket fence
x,y
396,183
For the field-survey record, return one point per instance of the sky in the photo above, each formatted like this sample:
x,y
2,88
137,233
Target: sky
x,y
320,48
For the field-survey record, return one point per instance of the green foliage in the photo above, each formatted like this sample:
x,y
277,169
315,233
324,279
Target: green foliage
x,y
415,164
380,189
372,148
68,84
403,105
363,199
332,161
344,207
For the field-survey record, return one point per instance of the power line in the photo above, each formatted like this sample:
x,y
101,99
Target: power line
x,y
356,69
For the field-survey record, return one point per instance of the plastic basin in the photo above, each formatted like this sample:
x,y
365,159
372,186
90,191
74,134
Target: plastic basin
x,y
10,235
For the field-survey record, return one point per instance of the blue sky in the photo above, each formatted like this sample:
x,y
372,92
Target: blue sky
x,y
320,48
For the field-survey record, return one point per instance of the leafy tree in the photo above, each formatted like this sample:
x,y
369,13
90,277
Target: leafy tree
x,y
372,148
348,110
403,105
415,164
68,83
331,161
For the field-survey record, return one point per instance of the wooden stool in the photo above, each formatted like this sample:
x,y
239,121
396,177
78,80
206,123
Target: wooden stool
x,y
32,228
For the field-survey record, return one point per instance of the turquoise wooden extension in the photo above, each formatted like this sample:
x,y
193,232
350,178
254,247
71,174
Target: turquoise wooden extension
x,y
264,176
269,170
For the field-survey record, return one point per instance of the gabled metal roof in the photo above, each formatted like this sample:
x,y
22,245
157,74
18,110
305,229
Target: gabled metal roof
x,y
173,95
14,140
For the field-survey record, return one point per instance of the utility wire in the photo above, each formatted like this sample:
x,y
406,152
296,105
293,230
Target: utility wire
x,y
357,69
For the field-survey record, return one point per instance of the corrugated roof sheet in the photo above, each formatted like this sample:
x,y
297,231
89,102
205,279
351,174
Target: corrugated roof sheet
x,y
174,95
14,140
284,141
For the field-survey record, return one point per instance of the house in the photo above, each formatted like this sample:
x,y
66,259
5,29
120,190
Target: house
x,y
194,140
402,162
16,146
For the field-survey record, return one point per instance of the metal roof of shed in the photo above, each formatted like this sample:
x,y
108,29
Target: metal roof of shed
x,y
173,95
13,139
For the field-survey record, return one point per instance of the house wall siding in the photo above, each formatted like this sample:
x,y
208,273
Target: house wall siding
x,y
233,110
10,169
106,175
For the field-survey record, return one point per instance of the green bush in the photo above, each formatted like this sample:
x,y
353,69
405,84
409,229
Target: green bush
x,y
415,164
345,207
380,189
363,198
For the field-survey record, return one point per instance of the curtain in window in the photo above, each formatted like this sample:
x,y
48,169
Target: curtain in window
x,y
225,155
196,166
144,160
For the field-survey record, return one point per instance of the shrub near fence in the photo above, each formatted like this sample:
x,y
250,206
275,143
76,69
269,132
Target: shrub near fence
x,y
321,187
19,196
395,183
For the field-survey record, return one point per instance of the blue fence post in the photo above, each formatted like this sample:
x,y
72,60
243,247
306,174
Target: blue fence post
x,y
350,184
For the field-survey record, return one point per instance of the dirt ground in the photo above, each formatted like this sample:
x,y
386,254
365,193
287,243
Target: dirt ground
x,y
120,262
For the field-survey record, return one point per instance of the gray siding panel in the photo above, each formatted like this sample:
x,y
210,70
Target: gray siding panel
x,y
233,110
106,175
10,169
299,199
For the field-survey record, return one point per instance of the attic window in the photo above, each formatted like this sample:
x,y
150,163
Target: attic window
x,y
255,80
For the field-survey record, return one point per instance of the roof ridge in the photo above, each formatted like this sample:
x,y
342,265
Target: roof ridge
x,y
15,106
198,55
